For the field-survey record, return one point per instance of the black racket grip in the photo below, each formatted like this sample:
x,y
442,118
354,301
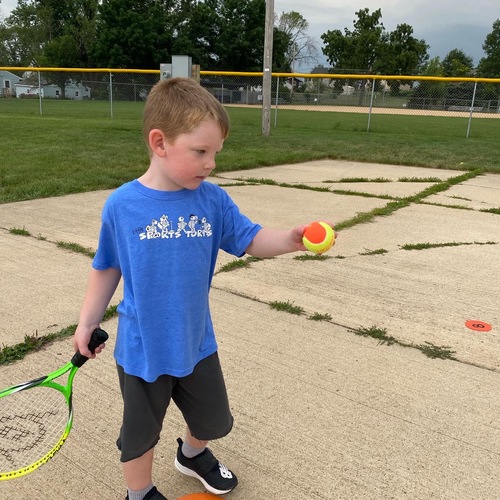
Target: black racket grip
x,y
98,337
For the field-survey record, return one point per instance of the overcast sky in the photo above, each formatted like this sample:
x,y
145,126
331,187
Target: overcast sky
x,y
443,24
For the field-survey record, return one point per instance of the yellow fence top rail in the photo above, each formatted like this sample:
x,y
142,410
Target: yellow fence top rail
x,y
79,70
331,76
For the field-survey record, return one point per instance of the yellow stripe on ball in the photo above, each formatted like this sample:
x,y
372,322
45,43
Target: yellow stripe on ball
x,y
318,237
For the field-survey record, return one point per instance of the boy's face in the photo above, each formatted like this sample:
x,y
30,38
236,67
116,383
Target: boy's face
x,y
190,158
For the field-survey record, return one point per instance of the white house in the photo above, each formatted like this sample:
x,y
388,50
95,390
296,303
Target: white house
x,y
24,90
73,90
8,82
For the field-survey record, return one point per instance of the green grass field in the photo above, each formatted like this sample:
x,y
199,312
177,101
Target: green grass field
x,y
77,146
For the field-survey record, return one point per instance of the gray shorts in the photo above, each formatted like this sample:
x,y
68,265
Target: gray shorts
x,y
201,397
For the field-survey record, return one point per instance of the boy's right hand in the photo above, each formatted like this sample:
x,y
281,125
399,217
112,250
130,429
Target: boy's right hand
x,y
81,340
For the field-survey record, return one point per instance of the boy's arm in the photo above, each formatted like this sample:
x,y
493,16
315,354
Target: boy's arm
x,y
100,289
271,242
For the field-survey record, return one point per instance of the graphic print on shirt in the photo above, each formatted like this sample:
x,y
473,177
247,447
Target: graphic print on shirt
x,y
191,227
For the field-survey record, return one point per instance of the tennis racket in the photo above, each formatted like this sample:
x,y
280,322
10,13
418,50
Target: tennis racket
x,y
36,417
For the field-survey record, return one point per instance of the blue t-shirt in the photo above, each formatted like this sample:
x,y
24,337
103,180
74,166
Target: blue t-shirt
x,y
165,244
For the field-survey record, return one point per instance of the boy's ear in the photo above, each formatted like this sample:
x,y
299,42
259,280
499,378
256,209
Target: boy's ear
x,y
157,142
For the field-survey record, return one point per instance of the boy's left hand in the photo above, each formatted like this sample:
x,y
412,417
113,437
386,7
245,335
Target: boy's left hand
x,y
298,233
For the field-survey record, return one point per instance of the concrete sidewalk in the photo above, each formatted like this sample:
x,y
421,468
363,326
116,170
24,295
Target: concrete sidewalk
x,y
320,412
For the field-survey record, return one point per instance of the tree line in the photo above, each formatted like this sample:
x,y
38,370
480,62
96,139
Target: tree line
x,y
139,34
370,48
219,35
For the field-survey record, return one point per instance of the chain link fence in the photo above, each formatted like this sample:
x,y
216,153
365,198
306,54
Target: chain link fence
x,y
360,93
368,94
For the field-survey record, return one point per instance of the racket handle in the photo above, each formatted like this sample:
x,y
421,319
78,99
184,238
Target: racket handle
x,y
98,337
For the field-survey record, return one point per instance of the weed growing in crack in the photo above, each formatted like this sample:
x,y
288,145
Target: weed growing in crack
x,y
287,306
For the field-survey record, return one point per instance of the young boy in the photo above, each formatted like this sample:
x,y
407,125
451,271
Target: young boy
x,y
161,233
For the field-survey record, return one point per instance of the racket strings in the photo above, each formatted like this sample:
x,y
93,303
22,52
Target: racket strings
x,y
32,422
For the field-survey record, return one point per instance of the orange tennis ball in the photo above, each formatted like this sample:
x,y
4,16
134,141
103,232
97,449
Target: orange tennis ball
x,y
318,237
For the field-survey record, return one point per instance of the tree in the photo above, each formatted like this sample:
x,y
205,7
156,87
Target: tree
x,y
403,54
65,19
281,43
225,35
457,63
301,48
434,67
369,48
132,34
11,51
489,66
428,93
55,33
62,52
239,45
356,50
217,34
23,35
196,30
35,25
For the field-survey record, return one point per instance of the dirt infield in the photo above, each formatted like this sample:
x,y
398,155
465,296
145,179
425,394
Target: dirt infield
x,y
376,110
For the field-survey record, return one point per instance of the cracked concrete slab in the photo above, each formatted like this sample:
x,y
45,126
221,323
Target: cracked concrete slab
x,y
320,412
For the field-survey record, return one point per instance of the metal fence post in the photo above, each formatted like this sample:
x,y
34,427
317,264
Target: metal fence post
x,y
371,106
111,93
40,90
277,98
471,109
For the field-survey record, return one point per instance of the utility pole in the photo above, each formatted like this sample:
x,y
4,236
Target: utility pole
x,y
267,70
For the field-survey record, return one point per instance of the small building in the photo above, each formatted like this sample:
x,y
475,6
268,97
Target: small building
x,y
75,91
25,90
320,70
8,82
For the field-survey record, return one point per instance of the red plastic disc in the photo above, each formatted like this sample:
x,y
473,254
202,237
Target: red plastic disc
x,y
478,326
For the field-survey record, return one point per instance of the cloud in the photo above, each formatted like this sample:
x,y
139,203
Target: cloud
x,y
468,38
444,25
6,6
